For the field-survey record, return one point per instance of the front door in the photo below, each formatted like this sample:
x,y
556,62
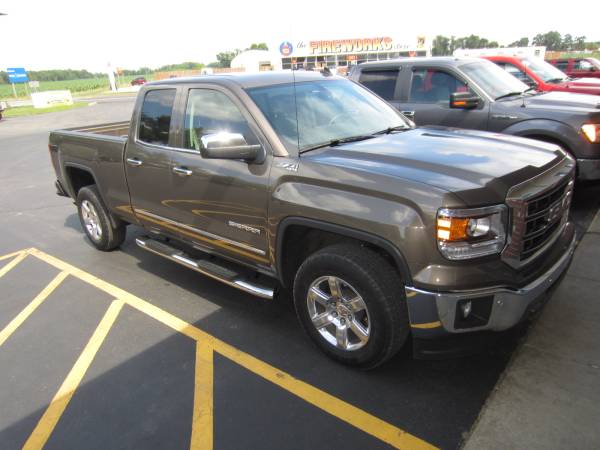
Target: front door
x,y
220,204
429,101
148,160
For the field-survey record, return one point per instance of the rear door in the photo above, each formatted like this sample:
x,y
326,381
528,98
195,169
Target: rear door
x,y
384,82
148,159
428,99
219,204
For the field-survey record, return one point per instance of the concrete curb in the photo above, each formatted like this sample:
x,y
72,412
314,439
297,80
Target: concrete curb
x,y
548,396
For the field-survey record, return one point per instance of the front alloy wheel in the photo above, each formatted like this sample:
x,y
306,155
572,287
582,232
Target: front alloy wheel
x,y
338,313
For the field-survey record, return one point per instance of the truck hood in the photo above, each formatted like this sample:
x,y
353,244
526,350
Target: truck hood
x,y
466,162
589,86
592,82
562,101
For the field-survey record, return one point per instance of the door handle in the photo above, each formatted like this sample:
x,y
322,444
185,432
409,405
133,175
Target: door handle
x,y
134,162
409,114
184,171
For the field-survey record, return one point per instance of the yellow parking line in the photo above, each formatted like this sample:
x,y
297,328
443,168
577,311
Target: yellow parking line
x,y
31,307
10,255
11,265
426,326
354,416
202,422
47,423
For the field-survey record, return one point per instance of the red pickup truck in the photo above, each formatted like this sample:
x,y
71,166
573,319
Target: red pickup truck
x,y
544,76
578,67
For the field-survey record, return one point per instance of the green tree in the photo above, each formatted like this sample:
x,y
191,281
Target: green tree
x,y
224,58
579,43
440,46
523,42
567,42
259,46
551,40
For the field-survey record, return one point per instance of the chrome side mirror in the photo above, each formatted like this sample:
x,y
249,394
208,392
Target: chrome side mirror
x,y
226,145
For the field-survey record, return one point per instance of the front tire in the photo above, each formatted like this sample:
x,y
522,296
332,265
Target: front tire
x,y
105,234
351,303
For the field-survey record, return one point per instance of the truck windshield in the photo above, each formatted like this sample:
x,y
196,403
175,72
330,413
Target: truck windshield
x,y
544,70
311,113
494,80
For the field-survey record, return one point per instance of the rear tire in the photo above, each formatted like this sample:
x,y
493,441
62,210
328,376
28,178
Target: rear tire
x,y
105,234
351,303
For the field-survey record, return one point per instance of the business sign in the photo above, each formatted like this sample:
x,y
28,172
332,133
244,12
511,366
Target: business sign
x,y
286,48
51,98
350,46
17,75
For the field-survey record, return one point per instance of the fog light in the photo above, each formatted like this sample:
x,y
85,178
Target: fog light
x,y
466,309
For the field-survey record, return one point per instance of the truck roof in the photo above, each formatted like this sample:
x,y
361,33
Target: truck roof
x,y
250,80
422,60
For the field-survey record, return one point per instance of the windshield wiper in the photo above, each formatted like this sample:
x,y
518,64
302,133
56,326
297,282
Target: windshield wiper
x,y
336,142
389,130
556,80
510,94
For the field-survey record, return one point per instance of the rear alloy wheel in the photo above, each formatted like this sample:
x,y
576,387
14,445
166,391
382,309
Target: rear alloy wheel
x,y
350,301
91,221
104,231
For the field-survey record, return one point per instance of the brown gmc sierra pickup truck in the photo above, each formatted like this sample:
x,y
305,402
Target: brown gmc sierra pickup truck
x,y
309,182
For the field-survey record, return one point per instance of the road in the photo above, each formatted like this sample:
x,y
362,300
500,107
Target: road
x,y
125,348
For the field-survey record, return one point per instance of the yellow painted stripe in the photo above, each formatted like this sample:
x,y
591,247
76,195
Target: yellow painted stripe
x,y
426,326
10,255
354,416
11,265
202,422
31,307
47,423
342,410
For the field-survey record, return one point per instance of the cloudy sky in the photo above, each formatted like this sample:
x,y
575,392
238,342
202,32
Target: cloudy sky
x,y
70,34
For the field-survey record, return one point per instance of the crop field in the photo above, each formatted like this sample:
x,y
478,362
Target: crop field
x,y
77,87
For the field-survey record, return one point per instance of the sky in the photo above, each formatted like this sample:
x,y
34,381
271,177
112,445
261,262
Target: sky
x,y
55,34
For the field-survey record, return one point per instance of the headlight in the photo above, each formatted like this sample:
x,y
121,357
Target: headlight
x,y
470,233
592,132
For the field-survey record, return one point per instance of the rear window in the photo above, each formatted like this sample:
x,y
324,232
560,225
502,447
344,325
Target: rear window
x,y
155,119
382,82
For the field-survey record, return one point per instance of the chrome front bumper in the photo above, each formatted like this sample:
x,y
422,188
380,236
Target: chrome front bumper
x,y
508,305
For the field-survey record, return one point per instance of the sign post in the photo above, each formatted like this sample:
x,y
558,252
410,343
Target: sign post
x,y
17,75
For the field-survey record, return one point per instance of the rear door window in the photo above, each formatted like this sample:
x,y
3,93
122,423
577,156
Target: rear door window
x,y
562,65
155,118
382,82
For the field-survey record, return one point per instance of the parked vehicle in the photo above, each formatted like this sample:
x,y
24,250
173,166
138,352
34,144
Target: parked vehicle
x,y
2,109
309,182
138,81
578,67
475,93
544,76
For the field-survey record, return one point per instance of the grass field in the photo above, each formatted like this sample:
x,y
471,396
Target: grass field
x,y
77,87
30,110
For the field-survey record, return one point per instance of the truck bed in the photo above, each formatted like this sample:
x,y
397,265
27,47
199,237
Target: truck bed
x,y
97,150
120,129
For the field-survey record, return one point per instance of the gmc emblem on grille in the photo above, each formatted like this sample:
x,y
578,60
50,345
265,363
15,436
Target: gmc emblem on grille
x,y
554,213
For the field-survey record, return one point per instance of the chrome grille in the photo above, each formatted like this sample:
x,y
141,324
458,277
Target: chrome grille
x,y
539,212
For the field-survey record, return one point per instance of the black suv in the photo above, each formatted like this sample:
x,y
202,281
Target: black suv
x,y
475,93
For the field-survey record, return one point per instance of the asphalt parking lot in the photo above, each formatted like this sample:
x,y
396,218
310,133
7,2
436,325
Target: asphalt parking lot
x,y
127,350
